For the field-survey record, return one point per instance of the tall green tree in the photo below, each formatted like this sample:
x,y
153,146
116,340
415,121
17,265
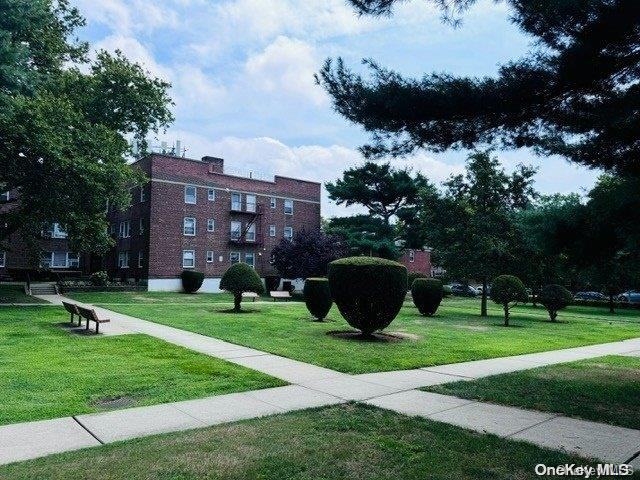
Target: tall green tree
x,y
65,122
574,94
365,235
471,224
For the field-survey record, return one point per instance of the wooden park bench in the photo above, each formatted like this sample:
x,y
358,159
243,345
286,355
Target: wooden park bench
x,y
251,295
72,308
91,316
276,294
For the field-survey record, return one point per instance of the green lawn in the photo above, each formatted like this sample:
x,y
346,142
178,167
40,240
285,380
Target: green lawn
x,y
603,389
153,297
15,294
342,442
455,334
47,372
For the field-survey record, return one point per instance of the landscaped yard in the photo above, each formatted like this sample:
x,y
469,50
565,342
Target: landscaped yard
x,y
341,442
47,372
153,297
15,294
455,334
600,389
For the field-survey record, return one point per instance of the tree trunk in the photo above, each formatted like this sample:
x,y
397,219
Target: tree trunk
x,y
483,303
553,315
534,294
506,314
611,309
237,298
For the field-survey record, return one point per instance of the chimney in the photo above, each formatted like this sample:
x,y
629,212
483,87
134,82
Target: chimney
x,y
216,165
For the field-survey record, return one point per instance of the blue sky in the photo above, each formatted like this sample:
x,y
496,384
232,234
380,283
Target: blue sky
x,y
242,75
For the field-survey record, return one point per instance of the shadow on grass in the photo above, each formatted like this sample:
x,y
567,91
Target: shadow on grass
x,y
357,336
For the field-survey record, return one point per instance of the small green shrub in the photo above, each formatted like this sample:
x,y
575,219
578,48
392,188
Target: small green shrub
x,y
191,280
368,291
271,282
99,279
506,289
447,290
317,297
427,294
411,276
240,278
554,298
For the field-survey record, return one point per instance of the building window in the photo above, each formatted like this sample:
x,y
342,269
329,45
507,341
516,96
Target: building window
x,y
190,194
250,259
141,226
140,259
211,225
57,231
188,258
250,203
125,229
142,194
236,230
4,196
288,233
59,260
210,256
234,257
250,236
412,256
73,260
288,207
273,202
123,259
236,202
272,230
189,226
3,259
211,194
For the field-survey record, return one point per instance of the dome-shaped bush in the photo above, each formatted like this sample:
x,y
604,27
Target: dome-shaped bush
x,y
368,291
554,298
317,297
191,280
412,276
427,294
506,289
240,278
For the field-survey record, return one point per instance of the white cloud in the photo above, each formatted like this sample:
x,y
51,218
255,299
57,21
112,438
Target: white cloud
x,y
125,17
136,52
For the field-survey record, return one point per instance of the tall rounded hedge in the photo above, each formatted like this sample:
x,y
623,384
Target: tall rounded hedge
x,y
240,278
368,291
427,294
554,298
317,297
506,289
191,280
412,276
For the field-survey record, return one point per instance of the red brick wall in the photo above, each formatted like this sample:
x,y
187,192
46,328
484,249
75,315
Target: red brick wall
x,y
421,261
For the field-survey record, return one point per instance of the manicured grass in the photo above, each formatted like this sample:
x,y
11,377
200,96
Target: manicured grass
x,y
341,442
47,372
15,294
456,334
154,297
601,389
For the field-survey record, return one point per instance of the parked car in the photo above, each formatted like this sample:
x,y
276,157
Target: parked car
x,y
463,290
632,296
590,296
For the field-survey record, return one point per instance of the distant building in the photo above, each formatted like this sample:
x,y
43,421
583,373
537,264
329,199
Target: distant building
x,y
417,260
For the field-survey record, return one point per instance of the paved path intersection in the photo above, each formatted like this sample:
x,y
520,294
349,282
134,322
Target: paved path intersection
x,y
313,386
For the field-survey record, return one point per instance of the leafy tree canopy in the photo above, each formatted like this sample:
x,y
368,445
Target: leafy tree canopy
x,y
365,235
574,94
64,124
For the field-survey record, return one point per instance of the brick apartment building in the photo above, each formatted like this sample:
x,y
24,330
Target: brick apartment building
x,y
191,215
418,261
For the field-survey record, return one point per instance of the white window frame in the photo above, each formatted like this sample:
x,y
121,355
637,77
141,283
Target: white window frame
x,y
290,237
210,256
233,255
232,230
140,259
252,256
250,234
272,230
211,225
3,259
57,231
236,205
73,260
192,253
5,195
273,202
211,194
288,206
412,256
184,226
123,259
141,226
47,260
250,203
188,197
143,197
125,229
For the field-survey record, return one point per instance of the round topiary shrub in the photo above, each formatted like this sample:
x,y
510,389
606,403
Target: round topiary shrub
x,y
506,289
191,280
554,298
368,291
411,277
427,294
317,297
240,278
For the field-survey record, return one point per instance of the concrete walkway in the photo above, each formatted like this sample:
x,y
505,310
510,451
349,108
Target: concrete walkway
x,y
314,386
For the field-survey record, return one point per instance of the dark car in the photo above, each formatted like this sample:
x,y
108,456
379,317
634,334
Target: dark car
x,y
632,296
590,296
463,290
